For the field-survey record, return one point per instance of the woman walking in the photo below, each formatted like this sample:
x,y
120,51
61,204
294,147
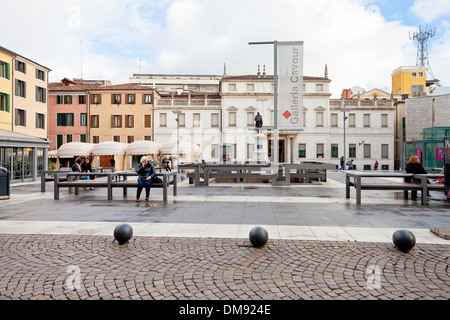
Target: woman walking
x,y
146,171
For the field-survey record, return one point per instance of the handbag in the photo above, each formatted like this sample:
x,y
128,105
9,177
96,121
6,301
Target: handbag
x,y
156,179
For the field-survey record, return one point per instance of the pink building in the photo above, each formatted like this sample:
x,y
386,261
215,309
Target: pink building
x,y
68,112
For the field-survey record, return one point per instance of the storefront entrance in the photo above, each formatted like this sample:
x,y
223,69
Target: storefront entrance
x,y
281,153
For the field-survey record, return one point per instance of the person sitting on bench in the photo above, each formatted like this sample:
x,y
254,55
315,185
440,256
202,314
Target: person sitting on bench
x,y
146,171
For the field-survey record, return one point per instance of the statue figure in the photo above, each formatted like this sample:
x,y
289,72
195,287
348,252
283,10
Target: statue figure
x,y
258,121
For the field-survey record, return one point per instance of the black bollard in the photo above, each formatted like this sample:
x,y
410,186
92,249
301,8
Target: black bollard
x,y
258,236
123,233
404,240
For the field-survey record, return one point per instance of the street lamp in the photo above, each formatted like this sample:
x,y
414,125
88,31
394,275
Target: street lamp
x,y
177,112
345,149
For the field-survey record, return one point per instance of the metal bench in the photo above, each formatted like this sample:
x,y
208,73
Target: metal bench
x,y
113,180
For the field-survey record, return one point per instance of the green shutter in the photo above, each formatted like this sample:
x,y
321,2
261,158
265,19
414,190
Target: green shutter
x,y
7,98
37,93
7,70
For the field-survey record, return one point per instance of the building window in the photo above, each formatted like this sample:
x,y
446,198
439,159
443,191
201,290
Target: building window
x,y
233,150
40,75
115,98
81,99
147,98
334,120
319,119
366,120
129,121
250,150
131,98
4,70
21,118
147,121
196,120
116,138
385,151
4,102
20,66
130,139
181,119
334,151
95,139
41,94
352,150
59,141
250,87
231,87
68,138
65,119
232,119
40,121
250,119
67,99
367,151
95,121
319,87
59,99
414,74
96,99
302,150
319,150
163,120
148,138
21,88
384,120
304,118
352,120
417,90
82,137
420,74
116,121
83,119
214,120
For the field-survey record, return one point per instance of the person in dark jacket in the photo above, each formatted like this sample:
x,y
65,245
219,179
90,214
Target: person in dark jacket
x,y
86,167
146,171
414,166
76,167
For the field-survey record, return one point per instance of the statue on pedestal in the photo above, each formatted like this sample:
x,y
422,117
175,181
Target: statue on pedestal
x,y
258,121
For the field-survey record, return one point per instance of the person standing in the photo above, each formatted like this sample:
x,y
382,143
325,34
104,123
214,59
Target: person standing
x,y
350,165
166,163
376,165
341,160
414,166
146,171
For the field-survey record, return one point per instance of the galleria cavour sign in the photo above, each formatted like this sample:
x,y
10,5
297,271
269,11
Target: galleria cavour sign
x,y
290,85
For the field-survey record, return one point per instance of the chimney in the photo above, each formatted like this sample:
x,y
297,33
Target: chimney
x,y
259,72
264,71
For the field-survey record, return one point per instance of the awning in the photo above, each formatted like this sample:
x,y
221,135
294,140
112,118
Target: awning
x,y
73,149
142,147
109,148
184,148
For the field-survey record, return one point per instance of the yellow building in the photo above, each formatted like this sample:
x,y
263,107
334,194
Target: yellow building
x,y
409,80
6,88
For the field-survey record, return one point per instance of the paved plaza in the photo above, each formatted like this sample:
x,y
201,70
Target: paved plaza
x,y
321,245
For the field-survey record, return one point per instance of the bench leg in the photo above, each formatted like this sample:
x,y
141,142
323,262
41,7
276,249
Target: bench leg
x,y
42,181
175,184
56,187
110,189
424,192
358,190
164,188
347,187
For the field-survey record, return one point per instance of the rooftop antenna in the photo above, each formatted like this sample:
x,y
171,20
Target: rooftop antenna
x,y
422,36
81,53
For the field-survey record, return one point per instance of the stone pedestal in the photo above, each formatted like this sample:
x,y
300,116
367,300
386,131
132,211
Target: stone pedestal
x,y
260,151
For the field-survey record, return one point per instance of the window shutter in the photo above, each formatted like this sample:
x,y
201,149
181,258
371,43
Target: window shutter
x,y
132,121
24,89
112,121
37,120
24,68
17,87
37,73
24,118
120,121
16,116
91,125
7,103
112,98
37,93
16,64
7,70
44,98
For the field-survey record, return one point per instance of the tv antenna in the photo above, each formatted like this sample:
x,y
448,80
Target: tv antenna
x,y
422,36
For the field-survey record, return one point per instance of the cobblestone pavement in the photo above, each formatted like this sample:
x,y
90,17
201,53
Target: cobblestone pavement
x,y
76,267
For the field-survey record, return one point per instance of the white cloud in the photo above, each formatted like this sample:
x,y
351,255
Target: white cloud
x,y
430,10
198,36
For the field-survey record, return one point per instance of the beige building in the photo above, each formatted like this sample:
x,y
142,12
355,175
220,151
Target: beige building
x,y
30,82
121,113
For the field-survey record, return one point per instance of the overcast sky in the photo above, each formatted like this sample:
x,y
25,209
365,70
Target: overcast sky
x,y
361,41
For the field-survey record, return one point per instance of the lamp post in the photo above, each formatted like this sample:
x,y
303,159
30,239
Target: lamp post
x,y
345,148
177,112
